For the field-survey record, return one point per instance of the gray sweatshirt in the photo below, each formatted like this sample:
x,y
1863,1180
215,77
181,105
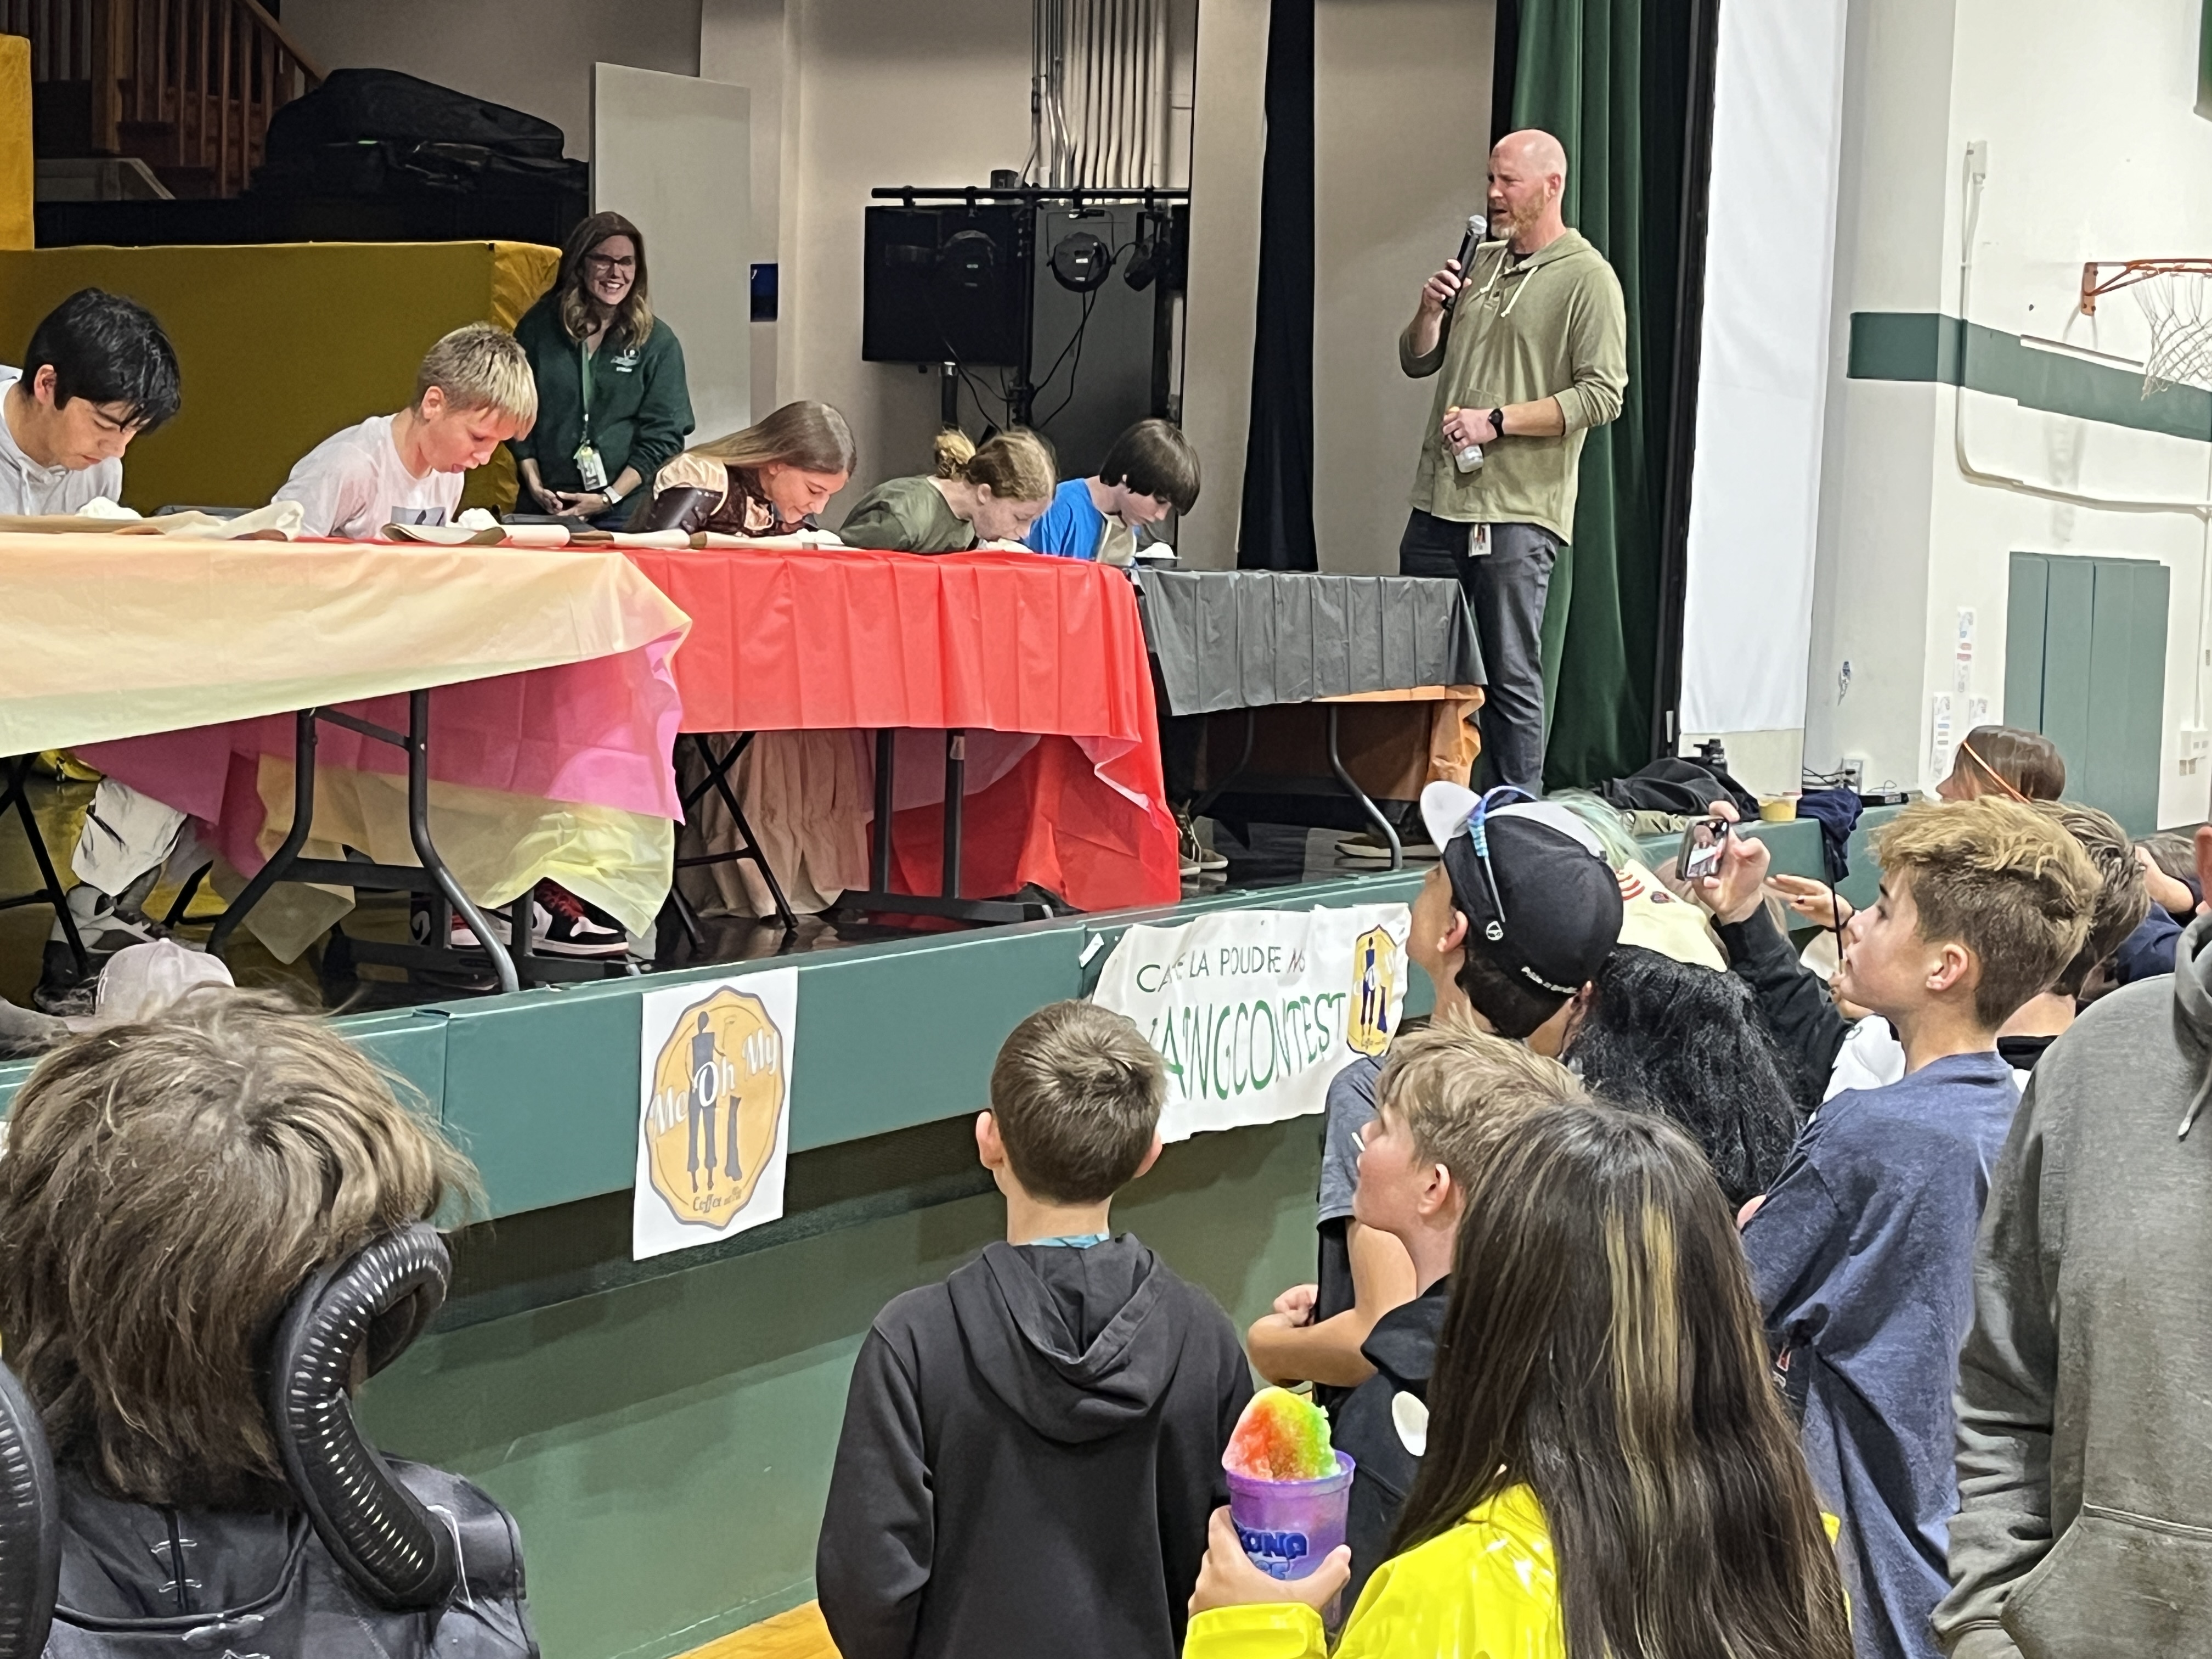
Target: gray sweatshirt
x,y
2085,1391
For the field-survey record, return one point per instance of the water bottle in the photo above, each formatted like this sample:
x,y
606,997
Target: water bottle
x,y
1469,458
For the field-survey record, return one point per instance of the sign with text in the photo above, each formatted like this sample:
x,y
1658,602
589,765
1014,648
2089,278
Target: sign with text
x,y
713,1117
1254,1010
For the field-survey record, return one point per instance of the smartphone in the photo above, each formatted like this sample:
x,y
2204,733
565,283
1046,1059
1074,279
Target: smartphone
x,y
1703,843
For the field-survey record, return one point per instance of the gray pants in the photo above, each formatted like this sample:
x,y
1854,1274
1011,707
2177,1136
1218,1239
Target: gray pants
x,y
1506,590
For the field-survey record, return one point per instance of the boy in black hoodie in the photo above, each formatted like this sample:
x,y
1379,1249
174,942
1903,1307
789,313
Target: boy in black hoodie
x,y
1031,1449
1442,1091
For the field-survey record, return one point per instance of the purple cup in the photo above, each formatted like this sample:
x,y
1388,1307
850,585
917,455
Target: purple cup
x,y
1288,1528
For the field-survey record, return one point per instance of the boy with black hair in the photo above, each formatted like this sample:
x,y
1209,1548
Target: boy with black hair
x,y
98,371
1151,471
1032,1449
1863,1252
1509,936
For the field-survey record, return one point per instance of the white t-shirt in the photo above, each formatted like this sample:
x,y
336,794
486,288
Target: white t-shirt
x,y
353,483
30,491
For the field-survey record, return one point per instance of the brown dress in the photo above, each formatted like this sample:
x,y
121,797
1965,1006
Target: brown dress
x,y
805,794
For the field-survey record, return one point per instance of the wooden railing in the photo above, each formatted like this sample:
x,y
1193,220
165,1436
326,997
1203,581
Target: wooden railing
x,y
189,86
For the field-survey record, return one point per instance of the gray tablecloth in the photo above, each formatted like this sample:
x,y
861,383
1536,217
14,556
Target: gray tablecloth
x,y
1243,639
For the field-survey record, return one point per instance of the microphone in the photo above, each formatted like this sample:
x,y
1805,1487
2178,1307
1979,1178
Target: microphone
x,y
1477,229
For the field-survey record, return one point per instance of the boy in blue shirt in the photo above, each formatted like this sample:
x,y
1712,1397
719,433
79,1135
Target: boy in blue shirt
x,y
1151,471
1863,1253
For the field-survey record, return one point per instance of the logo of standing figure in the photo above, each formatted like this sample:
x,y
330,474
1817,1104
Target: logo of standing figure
x,y
1374,972
716,1105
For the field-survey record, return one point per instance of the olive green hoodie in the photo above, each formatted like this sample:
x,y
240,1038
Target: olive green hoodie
x,y
1552,325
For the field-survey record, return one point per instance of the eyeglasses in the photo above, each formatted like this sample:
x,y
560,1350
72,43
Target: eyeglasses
x,y
1478,832
600,263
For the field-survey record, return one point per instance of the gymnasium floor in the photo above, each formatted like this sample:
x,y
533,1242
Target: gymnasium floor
x,y
798,1634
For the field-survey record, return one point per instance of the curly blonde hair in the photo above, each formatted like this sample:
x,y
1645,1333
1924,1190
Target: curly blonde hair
x,y
168,1186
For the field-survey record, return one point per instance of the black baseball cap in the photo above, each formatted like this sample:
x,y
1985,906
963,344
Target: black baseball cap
x,y
1548,906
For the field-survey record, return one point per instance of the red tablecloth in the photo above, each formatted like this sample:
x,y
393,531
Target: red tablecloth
x,y
844,638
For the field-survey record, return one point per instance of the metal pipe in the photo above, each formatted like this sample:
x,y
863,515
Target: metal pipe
x,y
955,776
879,876
418,831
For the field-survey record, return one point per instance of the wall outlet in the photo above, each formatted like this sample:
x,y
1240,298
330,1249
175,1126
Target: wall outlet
x,y
2195,746
1854,770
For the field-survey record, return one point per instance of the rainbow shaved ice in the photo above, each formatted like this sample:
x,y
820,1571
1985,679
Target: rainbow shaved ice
x,y
1281,1437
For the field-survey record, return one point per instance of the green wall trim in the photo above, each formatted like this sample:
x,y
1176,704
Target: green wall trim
x,y
1929,346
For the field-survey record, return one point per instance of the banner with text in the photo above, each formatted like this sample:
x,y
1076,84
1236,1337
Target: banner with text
x,y
1254,1010
713,1118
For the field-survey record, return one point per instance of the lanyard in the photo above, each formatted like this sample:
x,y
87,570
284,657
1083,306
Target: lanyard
x,y
584,356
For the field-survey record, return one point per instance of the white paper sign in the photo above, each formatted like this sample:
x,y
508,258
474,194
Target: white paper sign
x,y
1254,1010
714,1129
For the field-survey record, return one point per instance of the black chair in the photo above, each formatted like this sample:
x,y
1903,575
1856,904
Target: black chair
x,y
388,1559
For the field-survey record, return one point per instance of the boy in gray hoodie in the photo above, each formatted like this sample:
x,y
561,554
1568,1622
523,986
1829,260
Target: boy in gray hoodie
x,y
2085,1455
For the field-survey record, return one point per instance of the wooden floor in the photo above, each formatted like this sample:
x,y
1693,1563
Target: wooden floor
x,y
798,1634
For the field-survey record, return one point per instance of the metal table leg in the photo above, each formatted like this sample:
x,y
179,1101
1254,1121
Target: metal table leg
x,y
956,781
717,780
432,876
1374,813
52,891
947,903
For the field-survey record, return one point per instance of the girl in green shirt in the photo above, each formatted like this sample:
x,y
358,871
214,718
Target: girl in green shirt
x,y
993,494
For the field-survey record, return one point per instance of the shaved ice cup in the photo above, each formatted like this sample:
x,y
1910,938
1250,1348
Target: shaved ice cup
x,y
1288,1528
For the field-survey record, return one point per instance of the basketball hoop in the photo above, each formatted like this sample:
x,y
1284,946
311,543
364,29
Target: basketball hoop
x,y
2176,297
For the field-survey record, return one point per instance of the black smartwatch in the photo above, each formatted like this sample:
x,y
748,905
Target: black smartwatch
x,y
1498,422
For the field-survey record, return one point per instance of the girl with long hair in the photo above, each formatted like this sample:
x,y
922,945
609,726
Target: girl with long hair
x,y
802,792
1607,1472
613,405
990,493
770,479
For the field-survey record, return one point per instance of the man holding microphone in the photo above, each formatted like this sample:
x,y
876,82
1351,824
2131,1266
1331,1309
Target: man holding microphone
x,y
1530,348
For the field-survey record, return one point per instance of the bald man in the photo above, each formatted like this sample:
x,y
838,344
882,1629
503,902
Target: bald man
x,y
1532,354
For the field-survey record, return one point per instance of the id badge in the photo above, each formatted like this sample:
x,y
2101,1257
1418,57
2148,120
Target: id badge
x,y
1478,541
590,467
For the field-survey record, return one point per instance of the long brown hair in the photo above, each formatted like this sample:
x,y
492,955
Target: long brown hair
x,y
1602,1346
168,1185
632,323
809,435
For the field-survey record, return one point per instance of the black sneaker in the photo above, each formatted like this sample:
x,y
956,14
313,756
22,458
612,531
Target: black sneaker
x,y
575,928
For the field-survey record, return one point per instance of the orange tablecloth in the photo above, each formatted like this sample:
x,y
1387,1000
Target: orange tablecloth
x,y
842,638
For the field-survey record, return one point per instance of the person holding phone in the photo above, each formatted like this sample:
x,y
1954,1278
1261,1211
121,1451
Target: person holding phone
x,y
612,401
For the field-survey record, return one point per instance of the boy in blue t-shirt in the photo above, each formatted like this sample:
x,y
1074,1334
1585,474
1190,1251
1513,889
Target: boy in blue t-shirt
x,y
1151,471
1863,1252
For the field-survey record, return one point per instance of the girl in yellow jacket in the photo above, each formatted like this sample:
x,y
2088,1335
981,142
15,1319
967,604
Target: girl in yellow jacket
x,y
1608,1473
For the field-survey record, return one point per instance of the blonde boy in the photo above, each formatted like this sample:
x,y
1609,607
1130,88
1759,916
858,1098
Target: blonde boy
x,y
473,393
1863,1253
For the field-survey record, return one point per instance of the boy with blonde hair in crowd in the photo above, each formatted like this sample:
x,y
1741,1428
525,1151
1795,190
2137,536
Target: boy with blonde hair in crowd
x,y
1442,1090
473,393
1863,1252
1031,1449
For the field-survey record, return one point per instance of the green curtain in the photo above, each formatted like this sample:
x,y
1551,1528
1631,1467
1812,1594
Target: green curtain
x,y
1608,78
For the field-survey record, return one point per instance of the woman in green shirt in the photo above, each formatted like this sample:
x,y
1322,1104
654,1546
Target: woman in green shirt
x,y
612,404
993,494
